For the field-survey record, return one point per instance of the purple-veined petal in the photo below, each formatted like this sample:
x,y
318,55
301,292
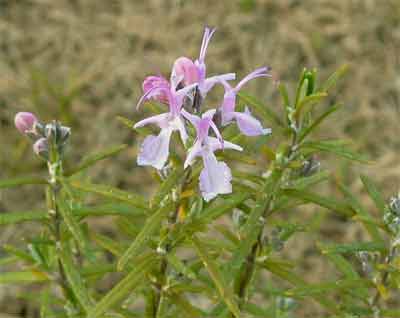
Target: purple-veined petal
x,y
160,120
215,178
193,119
193,152
260,72
249,125
209,114
154,150
180,126
152,82
157,92
211,81
215,144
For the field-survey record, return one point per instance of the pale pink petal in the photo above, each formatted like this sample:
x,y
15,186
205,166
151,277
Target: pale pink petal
x,y
154,150
158,93
193,152
215,178
184,69
194,120
160,120
260,72
228,106
211,81
249,125
215,144
209,114
180,125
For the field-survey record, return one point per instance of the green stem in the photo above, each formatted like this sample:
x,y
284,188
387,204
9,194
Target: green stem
x,y
159,297
54,165
246,275
385,276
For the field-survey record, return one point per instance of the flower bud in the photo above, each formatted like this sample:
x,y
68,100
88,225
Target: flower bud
x,y
310,167
184,70
394,205
25,122
41,148
56,133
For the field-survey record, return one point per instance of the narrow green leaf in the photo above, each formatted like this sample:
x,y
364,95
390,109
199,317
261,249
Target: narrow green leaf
x,y
129,124
360,210
168,184
305,132
212,268
286,274
74,278
109,209
337,147
305,104
72,224
374,193
23,277
260,108
318,289
151,226
20,254
111,193
341,264
10,183
214,211
125,287
94,158
285,98
328,203
354,247
180,267
254,224
182,303
331,81
101,210
237,156
45,310
108,244
18,217
305,182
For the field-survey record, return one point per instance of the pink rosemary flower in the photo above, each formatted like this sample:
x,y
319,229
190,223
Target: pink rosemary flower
x,y
186,72
215,178
248,125
154,150
25,122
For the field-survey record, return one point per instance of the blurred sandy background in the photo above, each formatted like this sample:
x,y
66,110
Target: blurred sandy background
x,y
83,61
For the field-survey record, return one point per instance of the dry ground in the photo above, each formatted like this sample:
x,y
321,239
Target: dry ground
x,y
83,61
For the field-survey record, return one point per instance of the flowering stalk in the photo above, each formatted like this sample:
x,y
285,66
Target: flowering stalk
x,y
165,246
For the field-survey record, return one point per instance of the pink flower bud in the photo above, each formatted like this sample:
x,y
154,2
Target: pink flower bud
x,y
153,82
25,122
41,147
184,70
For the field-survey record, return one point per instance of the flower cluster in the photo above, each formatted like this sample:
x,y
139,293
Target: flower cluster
x,y
42,134
189,85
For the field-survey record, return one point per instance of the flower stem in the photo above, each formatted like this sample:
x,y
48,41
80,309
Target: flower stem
x,y
54,165
244,278
159,297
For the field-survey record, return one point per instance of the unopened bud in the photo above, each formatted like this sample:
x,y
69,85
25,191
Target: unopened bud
x,y
41,148
25,122
394,205
310,167
56,133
